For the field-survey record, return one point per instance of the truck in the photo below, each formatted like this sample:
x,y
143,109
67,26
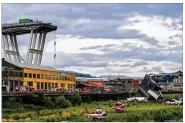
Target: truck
x,y
25,20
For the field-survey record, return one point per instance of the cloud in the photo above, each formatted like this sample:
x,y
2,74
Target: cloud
x,y
159,28
140,63
145,69
97,47
157,69
133,40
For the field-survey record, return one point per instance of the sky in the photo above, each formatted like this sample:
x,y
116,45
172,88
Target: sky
x,y
107,39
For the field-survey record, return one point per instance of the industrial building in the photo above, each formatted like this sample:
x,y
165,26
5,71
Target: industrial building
x,y
170,81
89,84
31,77
119,82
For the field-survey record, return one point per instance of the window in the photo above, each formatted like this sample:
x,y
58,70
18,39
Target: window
x,y
51,77
21,74
34,75
42,76
62,77
46,84
52,84
62,85
16,83
65,78
30,84
5,82
42,85
17,74
30,75
38,85
11,73
21,83
49,85
25,75
38,76
45,77
56,85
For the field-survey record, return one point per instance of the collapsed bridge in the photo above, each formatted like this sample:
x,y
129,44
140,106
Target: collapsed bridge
x,y
150,89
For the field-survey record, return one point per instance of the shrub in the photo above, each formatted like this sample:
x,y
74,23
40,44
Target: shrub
x,y
61,102
75,99
16,117
5,116
48,102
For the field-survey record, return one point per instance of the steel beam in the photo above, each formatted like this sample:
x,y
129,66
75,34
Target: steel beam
x,y
36,45
42,48
32,47
17,49
13,48
8,48
38,48
4,46
29,47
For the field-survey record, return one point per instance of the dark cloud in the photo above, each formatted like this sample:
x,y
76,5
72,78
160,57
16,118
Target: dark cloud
x,y
91,47
102,24
101,21
146,70
112,70
149,54
69,59
97,47
157,69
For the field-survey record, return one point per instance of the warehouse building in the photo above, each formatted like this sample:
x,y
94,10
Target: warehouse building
x,y
35,77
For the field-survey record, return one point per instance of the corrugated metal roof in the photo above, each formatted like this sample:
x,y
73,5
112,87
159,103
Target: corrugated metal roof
x,y
66,71
34,66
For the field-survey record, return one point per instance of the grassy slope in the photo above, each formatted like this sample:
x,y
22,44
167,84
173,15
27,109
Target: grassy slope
x,y
172,95
135,110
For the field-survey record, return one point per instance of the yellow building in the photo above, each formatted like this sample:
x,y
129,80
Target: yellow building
x,y
44,78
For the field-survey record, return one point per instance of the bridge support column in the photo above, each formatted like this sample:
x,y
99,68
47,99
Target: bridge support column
x,y
36,47
10,48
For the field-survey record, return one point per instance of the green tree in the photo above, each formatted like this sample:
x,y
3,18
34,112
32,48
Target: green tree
x,y
61,102
48,102
75,99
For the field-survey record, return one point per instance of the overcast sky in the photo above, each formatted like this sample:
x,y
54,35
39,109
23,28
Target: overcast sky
x,y
101,39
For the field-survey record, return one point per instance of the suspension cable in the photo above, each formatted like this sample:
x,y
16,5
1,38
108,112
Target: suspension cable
x,y
54,48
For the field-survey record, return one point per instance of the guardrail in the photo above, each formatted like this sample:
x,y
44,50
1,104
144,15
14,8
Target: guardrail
x,y
60,93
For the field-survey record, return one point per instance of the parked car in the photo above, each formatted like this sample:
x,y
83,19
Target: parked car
x,y
174,102
140,99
